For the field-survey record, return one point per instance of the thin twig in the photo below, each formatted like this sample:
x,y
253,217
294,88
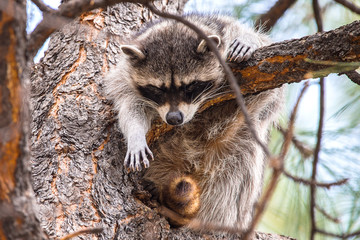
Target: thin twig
x,y
342,236
289,133
349,5
304,150
313,230
94,230
317,184
231,78
43,7
316,159
278,165
327,215
265,199
317,15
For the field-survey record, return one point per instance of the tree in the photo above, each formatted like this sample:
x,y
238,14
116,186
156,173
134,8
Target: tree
x,y
17,211
75,154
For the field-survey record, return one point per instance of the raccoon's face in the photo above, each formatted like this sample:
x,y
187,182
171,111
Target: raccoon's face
x,y
176,77
177,104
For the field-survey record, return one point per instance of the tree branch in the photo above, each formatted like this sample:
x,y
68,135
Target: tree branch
x,y
319,24
316,184
56,19
353,76
304,150
342,236
327,215
317,15
43,7
349,5
288,136
267,20
285,62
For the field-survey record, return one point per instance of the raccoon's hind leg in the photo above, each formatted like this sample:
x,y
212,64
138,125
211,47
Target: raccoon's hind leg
x,y
179,197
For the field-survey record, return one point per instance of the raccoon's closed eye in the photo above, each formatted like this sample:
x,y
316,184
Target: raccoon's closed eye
x,y
153,93
194,89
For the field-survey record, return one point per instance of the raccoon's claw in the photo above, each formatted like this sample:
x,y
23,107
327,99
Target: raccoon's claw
x,y
239,51
152,189
135,156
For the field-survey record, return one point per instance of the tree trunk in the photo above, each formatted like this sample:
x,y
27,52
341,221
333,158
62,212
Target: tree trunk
x,y
17,202
77,150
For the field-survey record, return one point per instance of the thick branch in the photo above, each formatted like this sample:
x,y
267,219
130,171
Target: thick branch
x,y
284,62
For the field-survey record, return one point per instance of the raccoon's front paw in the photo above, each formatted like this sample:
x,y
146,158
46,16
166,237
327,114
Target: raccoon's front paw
x,y
240,51
137,152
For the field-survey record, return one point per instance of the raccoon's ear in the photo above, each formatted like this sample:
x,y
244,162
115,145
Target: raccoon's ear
x,y
133,51
202,48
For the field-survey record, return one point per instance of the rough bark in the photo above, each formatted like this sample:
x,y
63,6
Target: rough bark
x,y
77,150
17,202
286,62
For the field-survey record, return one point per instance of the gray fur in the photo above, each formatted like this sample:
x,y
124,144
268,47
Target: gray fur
x,y
215,148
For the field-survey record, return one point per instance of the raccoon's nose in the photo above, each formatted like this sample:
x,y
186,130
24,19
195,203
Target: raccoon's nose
x,y
174,118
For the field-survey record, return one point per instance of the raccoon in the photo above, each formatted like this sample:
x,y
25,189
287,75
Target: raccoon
x,y
166,70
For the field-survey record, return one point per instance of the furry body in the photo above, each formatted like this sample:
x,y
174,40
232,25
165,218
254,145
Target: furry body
x,y
169,71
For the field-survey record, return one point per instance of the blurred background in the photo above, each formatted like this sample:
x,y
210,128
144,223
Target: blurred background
x,y
288,212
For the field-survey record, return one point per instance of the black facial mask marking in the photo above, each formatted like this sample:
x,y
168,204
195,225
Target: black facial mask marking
x,y
194,89
174,95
